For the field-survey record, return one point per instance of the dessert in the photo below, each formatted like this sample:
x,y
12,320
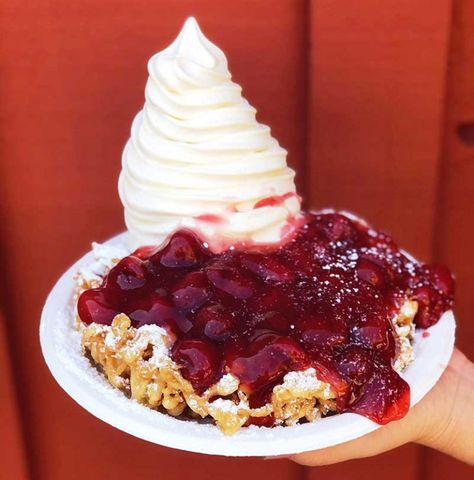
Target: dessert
x,y
197,157
231,305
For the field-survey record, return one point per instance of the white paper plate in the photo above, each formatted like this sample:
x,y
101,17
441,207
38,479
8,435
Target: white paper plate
x,y
61,349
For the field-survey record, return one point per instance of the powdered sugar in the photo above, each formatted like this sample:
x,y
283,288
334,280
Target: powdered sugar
x,y
160,340
110,339
223,405
306,381
105,257
227,384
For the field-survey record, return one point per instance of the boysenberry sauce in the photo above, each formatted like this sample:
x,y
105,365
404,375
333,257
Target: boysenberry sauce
x,y
325,299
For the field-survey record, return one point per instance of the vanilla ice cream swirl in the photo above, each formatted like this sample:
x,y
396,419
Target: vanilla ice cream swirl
x,y
198,158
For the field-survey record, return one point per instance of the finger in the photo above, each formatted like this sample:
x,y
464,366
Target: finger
x,y
374,443
420,425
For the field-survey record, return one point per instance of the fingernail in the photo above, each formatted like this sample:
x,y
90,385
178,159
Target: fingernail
x,y
276,457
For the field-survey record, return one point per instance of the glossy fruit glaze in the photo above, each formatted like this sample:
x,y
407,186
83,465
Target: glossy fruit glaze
x,y
325,299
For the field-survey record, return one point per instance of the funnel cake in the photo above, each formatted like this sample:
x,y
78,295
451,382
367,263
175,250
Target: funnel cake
x,y
317,326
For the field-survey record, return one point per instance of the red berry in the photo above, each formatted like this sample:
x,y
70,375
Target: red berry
x,y
92,306
267,268
199,362
303,260
318,330
375,332
192,291
272,298
382,241
183,251
233,282
370,272
158,310
429,306
143,253
214,322
441,279
323,362
267,359
337,227
267,421
128,278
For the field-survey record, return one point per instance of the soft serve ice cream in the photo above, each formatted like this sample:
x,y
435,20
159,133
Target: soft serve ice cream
x,y
197,157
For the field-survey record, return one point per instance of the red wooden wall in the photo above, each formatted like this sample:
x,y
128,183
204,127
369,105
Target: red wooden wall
x,y
373,100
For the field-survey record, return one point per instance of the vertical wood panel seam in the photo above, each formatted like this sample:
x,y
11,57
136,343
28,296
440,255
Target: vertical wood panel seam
x,y
305,181
306,164
444,138
5,305
11,356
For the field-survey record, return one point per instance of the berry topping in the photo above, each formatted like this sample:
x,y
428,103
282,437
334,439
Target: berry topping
x,y
268,269
128,280
93,307
182,251
325,299
231,281
337,228
214,322
441,279
355,364
320,330
199,361
383,398
375,333
429,305
266,359
192,291
370,272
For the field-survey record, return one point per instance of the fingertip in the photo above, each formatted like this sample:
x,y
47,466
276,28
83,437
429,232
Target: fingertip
x,y
308,459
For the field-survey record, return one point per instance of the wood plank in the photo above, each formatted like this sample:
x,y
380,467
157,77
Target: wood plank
x,y
376,82
73,74
401,463
455,219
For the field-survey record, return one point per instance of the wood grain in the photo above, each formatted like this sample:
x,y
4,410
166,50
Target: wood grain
x,y
376,103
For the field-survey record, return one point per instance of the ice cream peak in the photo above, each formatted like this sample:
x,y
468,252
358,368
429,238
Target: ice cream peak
x,y
198,158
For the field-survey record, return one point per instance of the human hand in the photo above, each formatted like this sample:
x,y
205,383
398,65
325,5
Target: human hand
x,y
443,420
